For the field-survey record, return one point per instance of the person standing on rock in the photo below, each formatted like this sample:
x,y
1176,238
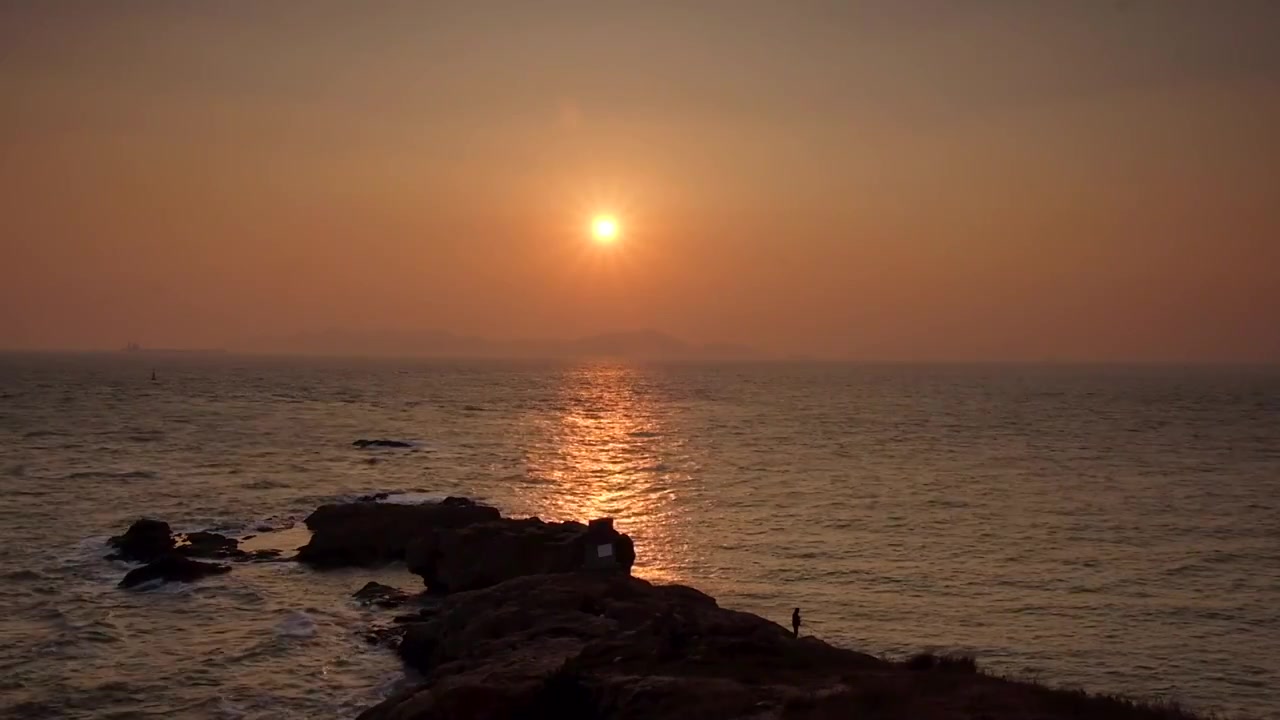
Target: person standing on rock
x,y
795,622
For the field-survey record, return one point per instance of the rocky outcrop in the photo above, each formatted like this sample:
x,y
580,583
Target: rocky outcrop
x,y
172,568
543,620
381,595
362,443
592,646
479,555
215,546
369,533
210,545
605,645
168,556
144,541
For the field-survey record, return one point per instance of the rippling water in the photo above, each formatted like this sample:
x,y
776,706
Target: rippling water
x,y
1115,528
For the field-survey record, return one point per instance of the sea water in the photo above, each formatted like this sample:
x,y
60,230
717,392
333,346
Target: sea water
x,y
1113,528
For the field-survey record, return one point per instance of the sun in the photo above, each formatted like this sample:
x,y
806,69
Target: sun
x,y
604,228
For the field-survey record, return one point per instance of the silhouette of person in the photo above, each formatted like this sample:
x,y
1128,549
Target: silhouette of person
x,y
795,622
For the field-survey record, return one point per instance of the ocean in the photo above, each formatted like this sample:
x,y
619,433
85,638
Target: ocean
x,y
1113,528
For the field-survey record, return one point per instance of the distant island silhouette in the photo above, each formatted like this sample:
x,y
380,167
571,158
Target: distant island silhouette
x,y
636,344
133,347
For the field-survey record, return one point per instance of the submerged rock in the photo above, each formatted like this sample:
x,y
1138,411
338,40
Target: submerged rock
x,y
362,443
388,636
482,554
210,545
265,555
381,595
172,568
168,557
367,533
145,540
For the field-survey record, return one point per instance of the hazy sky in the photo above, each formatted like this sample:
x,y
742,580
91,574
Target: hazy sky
x,y
1079,179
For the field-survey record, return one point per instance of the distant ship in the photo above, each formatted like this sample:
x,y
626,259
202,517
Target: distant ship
x,y
134,347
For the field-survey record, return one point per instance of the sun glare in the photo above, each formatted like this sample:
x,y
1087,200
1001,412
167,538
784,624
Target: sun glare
x,y
604,228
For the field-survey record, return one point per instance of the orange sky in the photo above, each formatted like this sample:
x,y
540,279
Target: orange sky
x,y
877,180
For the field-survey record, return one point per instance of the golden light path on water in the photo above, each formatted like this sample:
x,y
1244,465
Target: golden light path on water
x,y
610,453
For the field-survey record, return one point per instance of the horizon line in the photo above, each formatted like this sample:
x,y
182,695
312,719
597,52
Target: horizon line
x,y
763,359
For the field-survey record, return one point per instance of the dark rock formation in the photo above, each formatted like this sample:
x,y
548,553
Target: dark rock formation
x,y
144,541
265,555
483,554
169,558
422,615
365,534
544,621
148,540
595,645
381,595
172,568
210,545
388,636
362,443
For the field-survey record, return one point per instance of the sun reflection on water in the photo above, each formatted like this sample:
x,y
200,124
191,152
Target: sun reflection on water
x,y
611,453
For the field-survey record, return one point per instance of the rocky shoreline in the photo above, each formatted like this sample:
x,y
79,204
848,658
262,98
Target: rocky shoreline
x,y
521,618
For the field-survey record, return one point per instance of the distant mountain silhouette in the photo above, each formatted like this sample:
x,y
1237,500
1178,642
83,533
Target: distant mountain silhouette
x,y
643,342
638,344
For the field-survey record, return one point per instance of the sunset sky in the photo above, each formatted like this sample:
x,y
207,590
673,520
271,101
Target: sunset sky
x,y
902,180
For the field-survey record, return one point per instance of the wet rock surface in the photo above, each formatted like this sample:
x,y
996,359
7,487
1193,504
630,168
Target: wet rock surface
x,y
596,645
169,557
172,568
475,556
145,540
364,534
381,595
363,443
592,646
209,545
